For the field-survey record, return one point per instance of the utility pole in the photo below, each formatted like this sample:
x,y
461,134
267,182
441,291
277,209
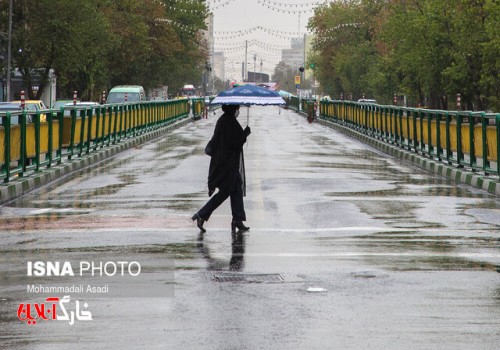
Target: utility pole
x,y
261,70
246,61
254,67
9,52
212,61
304,65
299,24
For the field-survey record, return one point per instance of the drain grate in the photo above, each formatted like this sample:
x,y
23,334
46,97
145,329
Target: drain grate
x,y
249,278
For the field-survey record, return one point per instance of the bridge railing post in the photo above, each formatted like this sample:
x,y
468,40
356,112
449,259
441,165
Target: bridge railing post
x,y
472,146
484,146
6,166
497,124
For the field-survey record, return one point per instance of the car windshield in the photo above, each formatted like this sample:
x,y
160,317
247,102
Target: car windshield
x,y
364,100
11,107
119,97
59,104
31,106
68,107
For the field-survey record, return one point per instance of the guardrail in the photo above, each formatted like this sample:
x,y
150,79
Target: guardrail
x,y
293,102
198,107
301,105
460,138
55,136
201,106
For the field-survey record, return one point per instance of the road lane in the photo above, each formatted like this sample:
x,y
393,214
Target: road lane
x,y
406,259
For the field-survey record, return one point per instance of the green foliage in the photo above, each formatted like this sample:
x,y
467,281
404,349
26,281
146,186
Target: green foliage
x,y
220,85
490,48
428,50
284,76
95,44
346,50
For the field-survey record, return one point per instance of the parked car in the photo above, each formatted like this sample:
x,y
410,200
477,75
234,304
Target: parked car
x,y
34,105
61,103
126,93
79,105
10,107
367,101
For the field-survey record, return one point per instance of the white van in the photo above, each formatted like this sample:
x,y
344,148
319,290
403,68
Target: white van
x,y
126,93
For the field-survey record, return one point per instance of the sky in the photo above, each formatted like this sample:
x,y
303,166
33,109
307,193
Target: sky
x,y
281,20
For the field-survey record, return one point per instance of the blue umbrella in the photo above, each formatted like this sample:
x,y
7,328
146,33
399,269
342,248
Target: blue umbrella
x,y
248,95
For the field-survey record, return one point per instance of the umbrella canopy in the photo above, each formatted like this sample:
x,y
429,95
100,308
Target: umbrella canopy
x,y
248,95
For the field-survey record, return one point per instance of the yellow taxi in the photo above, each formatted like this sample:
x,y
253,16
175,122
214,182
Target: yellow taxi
x,y
33,106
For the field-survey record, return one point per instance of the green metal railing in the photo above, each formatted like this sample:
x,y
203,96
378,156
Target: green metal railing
x,y
301,105
201,106
460,138
293,102
27,144
198,107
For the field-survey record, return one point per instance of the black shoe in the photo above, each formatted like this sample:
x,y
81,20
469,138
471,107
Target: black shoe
x,y
238,225
199,222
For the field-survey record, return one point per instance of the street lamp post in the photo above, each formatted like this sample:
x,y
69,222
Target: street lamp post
x,y
261,70
254,68
9,54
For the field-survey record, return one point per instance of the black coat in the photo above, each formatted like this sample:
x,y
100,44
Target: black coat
x,y
227,157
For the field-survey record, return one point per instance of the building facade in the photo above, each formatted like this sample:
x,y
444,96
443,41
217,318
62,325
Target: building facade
x,y
218,65
295,55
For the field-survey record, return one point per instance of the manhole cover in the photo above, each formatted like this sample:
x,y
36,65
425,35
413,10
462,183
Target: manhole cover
x,y
249,278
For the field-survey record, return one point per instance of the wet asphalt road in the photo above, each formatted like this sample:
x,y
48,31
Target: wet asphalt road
x,y
348,249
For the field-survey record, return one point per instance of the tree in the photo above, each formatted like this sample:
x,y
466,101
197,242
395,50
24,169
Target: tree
x,y
490,77
284,76
95,44
345,49
474,72
428,50
187,63
220,85
56,34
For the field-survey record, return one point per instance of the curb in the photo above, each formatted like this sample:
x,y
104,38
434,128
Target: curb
x,y
456,174
17,188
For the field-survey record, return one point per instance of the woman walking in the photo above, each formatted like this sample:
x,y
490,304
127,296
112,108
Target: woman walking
x,y
227,169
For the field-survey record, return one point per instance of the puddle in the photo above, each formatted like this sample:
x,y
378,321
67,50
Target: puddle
x,y
368,274
442,263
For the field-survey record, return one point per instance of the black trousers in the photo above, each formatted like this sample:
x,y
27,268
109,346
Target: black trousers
x,y
235,191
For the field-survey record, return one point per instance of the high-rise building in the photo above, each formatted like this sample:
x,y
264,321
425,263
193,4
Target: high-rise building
x,y
218,65
208,75
294,56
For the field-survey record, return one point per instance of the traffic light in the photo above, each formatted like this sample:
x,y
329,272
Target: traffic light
x,y
301,69
312,65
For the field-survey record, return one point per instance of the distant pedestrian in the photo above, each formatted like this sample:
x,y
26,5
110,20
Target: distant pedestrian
x,y
227,169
